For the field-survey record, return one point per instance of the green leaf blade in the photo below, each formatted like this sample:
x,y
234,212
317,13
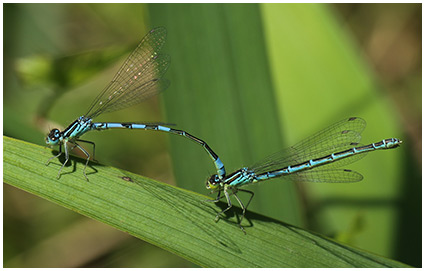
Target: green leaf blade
x,y
175,219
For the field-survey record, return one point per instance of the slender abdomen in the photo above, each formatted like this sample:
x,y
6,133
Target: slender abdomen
x,y
384,144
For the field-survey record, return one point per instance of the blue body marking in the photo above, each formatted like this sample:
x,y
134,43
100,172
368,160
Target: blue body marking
x,y
139,78
315,159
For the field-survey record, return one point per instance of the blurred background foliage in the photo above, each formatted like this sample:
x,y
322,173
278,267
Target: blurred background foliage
x,y
249,79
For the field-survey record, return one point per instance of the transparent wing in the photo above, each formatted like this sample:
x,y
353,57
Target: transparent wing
x,y
338,137
139,78
325,176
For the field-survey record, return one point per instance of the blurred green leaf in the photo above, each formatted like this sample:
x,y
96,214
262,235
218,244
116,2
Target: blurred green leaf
x,y
175,219
35,70
67,72
63,74
221,91
321,75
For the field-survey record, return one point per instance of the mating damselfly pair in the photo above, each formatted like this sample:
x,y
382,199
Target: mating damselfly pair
x,y
315,159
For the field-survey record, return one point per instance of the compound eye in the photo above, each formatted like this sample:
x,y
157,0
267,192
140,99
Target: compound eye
x,y
53,137
213,182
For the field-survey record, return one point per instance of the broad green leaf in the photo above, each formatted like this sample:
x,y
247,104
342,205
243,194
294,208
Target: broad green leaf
x,y
174,219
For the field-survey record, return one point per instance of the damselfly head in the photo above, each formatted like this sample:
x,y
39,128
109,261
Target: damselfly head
x,y
213,182
53,137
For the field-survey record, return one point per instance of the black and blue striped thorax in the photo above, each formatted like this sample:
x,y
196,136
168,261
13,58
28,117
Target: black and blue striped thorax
x,y
76,129
240,177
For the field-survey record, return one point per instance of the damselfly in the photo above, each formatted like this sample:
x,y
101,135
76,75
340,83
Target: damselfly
x,y
139,78
315,159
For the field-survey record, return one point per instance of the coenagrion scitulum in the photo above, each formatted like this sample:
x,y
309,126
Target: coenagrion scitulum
x,y
317,158
139,78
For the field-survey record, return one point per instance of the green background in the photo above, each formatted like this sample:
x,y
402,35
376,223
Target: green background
x,y
249,79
